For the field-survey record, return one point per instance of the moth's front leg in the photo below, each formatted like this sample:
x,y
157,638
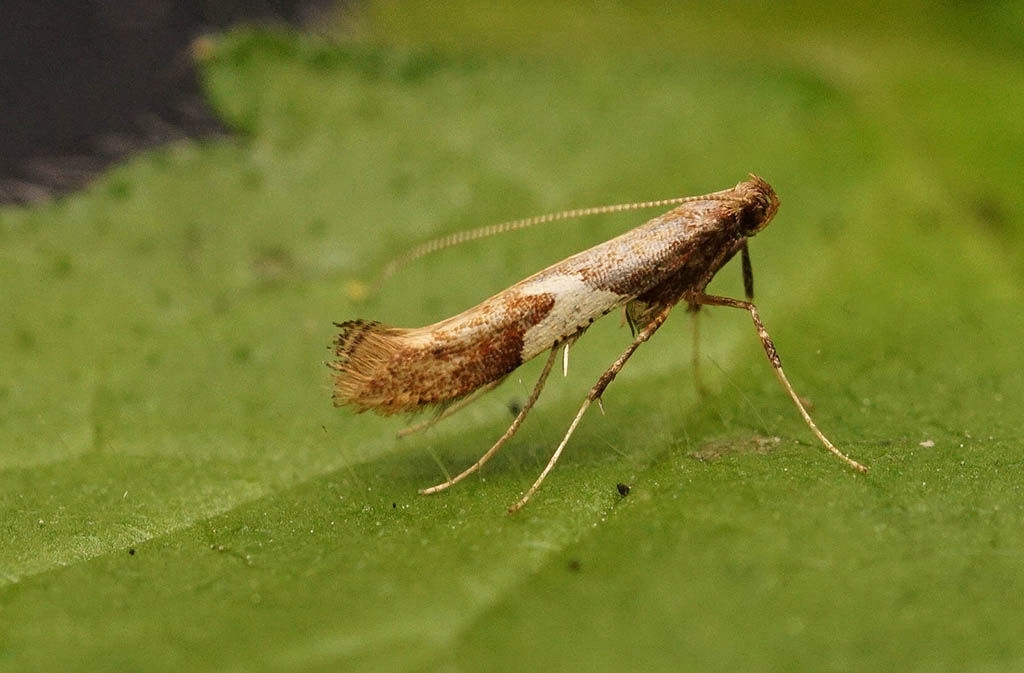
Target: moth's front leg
x,y
773,357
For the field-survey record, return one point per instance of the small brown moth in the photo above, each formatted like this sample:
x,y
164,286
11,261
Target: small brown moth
x,y
647,271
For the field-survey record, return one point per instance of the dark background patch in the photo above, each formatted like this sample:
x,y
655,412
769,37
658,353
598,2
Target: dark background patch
x,y
83,84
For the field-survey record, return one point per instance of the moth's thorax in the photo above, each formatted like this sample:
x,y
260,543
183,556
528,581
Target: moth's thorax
x,y
710,230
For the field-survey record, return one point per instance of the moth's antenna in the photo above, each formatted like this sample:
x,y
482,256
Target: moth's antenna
x,y
457,238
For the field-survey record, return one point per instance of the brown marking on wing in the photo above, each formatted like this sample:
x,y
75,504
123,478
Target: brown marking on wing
x,y
391,370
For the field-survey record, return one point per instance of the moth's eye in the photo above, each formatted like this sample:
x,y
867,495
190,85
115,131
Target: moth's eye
x,y
751,219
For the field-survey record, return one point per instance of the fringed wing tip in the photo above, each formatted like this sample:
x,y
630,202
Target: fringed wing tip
x,y
362,350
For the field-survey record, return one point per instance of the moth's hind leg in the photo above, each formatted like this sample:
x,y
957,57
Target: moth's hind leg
x,y
595,394
450,409
508,433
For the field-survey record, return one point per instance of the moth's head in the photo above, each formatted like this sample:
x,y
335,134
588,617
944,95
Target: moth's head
x,y
756,205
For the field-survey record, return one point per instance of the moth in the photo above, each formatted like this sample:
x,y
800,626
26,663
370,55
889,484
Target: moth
x,y
646,271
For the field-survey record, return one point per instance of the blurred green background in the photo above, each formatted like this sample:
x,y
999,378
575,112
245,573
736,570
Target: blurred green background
x,y
177,493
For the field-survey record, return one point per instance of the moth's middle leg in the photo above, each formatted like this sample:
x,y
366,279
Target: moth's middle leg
x,y
594,394
698,383
694,309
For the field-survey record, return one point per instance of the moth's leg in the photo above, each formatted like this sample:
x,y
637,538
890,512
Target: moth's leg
x,y
773,357
748,273
594,394
694,310
451,409
508,433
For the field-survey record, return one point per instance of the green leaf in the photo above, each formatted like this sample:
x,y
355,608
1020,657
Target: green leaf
x,y
176,492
